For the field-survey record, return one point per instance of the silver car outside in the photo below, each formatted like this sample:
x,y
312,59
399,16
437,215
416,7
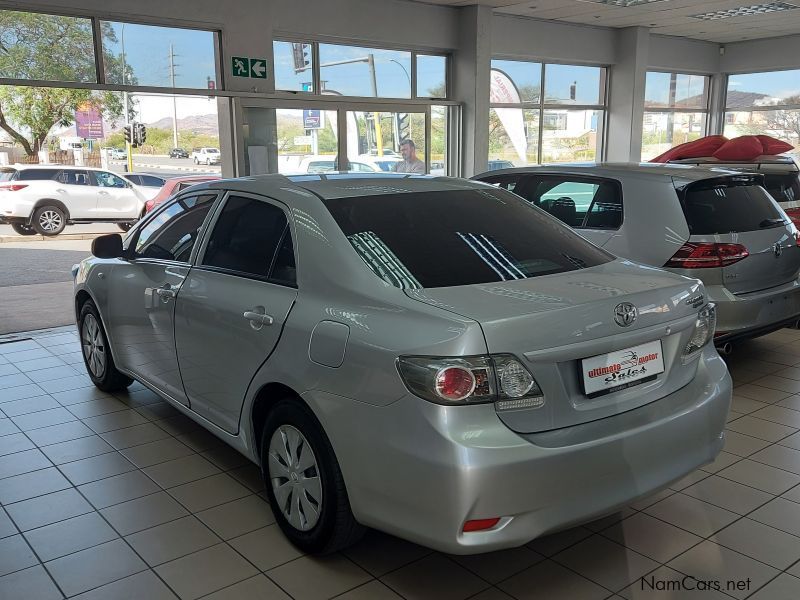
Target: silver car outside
x,y
754,296
332,346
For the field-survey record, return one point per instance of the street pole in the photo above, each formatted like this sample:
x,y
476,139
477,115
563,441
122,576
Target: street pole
x,y
375,115
174,104
128,147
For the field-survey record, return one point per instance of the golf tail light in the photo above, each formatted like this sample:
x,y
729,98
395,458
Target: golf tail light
x,y
499,378
703,332
480,524
12,187
707,256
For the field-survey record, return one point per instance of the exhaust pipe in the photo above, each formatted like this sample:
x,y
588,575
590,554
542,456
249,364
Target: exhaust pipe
x,y
725,349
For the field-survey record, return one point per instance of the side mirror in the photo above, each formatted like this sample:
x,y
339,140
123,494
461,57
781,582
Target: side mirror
x,y
107,246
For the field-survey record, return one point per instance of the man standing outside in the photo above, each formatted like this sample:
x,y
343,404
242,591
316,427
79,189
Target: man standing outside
x,y
410,162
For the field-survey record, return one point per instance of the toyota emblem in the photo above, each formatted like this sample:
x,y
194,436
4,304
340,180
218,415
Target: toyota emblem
x,y
777,249
625,314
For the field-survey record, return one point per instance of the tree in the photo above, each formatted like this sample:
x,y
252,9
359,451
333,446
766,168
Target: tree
x,y
50,48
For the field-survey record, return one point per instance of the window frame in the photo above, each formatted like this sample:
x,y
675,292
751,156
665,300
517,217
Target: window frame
x,y
541,106
211,223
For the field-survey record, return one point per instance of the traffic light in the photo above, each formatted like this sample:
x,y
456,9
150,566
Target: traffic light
x,y
301,56
139,134
127,131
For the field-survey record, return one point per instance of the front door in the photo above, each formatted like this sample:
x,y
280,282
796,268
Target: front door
x,y
233,305
116,199
144,288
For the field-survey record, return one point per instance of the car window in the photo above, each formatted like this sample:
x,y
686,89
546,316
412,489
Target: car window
x,y
38,174
134,179
784,187
70,177
173,231
507,182
593,203
106,179
151,181
729,205
7,174
476,236
246,239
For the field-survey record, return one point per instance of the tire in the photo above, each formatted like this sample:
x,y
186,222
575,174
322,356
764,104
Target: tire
x,y
125,226
197,162
23,229
321,484
97,353
48,220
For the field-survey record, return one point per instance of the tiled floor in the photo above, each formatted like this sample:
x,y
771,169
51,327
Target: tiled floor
x,y
121,496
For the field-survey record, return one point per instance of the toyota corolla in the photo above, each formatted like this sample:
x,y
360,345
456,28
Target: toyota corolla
x,y
431,357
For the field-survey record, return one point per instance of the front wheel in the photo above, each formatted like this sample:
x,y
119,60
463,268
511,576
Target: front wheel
x,y
197,162
96,352
125,226
49,220
304,483
23,229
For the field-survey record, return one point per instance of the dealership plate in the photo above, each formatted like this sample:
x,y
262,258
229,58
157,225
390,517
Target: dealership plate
x,y
621,369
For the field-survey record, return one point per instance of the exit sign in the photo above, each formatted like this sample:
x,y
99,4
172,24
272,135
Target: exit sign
x,y
253,68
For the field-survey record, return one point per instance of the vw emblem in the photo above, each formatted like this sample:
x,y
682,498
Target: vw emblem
x,y
777,249
625,314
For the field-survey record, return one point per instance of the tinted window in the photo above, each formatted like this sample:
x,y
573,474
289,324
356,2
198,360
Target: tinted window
x,y
784,187
725,207
70,177
106,179
246,238
172,233
38,174
595,204
150,180
450,238
134,179
7,174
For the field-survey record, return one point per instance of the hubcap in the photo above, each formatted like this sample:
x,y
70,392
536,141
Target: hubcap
x,y
94,349
294,476
50,220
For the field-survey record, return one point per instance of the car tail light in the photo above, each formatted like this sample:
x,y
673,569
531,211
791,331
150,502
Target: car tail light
x,y
480,524
148,206
498,378
12,187
707,255
703,332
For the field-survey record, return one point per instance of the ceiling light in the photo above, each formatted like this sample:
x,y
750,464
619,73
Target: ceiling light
x,y
624,3
752,10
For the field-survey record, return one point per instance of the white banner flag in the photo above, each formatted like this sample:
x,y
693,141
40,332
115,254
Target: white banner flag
x,y
503,91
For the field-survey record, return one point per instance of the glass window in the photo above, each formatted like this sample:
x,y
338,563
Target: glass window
x,y
38,174
158,56
753,90
525,79
294,66
8,174
675,90
572,135
439,123
366,128
47,47
106,179
150,180
572,84
477,236
592,204
246,237
718,208
284,270
368,72
783,124
513,137
431,76
663,130
172,233
72,177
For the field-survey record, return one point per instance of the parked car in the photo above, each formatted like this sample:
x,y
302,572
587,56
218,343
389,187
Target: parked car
x,y
494,165
206,156
379,163
178,153
325,163
117,154
174,185
45,199
431,357
781,178
149,185
720,226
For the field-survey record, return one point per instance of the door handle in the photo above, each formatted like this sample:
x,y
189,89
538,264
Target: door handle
x,y
61,190
166,293
103,193
258,319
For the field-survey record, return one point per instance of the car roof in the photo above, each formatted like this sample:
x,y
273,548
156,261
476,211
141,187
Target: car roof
x,y
335,185
21,166
182,178
765,159
614,170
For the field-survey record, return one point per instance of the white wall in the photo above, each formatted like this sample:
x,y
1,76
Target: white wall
x,y
762,55
683,55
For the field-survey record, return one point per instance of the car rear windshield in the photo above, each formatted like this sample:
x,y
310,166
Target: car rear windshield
x,y
728,206
7,174
450,238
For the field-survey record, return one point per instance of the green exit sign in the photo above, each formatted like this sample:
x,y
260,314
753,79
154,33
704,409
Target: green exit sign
x,y
254,68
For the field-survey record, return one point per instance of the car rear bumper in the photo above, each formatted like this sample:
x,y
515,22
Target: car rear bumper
x,y
419,470
757,313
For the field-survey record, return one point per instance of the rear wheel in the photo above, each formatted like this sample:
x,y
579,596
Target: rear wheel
x,y
96,352
49,220
304,483
23,229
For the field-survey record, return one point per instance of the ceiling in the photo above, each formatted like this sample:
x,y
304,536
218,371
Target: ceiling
x,y
666,17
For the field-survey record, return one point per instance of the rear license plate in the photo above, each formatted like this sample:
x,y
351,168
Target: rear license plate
x,y
618,370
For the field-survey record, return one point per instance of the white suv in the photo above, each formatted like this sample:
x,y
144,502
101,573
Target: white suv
x,y
45,199
206,156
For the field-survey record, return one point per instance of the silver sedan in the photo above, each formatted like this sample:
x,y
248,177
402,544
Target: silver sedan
x,y
431,357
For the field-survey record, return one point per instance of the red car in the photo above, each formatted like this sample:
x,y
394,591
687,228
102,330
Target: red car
x,y
173,186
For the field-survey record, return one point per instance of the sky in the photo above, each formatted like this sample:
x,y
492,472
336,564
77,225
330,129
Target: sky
x,y
558,79
778,84
151,108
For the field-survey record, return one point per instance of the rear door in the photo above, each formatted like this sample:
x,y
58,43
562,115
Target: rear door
x,y
739,211
233,305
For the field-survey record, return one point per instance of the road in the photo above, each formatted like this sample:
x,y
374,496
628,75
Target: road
x,y
164,165
36,283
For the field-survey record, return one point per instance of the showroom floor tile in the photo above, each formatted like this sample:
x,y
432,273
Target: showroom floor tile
x,y
115,496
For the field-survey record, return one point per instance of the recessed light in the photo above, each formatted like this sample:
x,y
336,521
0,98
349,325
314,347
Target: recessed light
x,y
752,10
623,3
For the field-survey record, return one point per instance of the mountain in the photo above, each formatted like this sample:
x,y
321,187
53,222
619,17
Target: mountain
x,y
195,123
